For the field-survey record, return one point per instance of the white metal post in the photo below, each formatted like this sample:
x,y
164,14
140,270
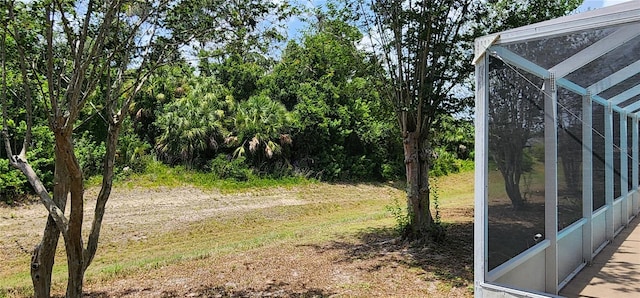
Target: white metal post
x,y
624,172
481,173
608,157
587,177
634,164
551,183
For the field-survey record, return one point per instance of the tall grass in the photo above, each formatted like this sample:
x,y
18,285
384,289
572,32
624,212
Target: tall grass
x,y
158,174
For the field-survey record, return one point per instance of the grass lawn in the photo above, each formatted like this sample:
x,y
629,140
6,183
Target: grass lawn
x,y
307,239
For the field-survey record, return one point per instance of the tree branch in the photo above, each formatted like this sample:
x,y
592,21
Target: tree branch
x,y
56,118
66,27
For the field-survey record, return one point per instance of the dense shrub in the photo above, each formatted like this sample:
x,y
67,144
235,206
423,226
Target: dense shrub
x,y
226,167
133,153
12,182
192,127
90,155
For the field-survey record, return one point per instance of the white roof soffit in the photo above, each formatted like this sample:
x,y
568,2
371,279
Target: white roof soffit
x,y
596,50
604,17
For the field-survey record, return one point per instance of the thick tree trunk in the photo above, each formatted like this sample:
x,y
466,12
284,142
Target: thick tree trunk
x,y
512,187
43,256
417,170
69,180
42,259
512,172
508,156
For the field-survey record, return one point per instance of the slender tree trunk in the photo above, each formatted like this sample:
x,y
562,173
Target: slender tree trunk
x,y
73,244
42,259
76,272
105,192
508,156
417,167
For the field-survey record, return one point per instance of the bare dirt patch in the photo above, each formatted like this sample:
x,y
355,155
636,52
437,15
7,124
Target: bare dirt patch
x,y
376,264
132,214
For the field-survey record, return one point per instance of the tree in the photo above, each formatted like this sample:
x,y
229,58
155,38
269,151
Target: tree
x,y
166,85
425,48
219,29
73,54
260,124
516,117
102,55
341,129
421,47
500,15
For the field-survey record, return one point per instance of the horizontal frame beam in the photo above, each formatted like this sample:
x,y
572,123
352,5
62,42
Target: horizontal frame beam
x,y
519,62
596,50
616,78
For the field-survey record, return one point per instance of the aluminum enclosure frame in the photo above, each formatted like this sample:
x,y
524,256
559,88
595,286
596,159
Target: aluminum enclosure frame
x,y
541,270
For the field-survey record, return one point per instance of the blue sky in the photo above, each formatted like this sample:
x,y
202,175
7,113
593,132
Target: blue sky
x,y
295,25
592,4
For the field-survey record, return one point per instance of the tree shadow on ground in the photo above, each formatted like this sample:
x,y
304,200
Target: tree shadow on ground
x,y
103,294
613,268
278,289
449,260
275,289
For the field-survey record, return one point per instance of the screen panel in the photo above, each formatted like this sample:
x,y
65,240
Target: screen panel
x,y
569,157
516,162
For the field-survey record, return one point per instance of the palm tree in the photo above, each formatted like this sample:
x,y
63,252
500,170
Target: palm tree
x,y
194,124
260,124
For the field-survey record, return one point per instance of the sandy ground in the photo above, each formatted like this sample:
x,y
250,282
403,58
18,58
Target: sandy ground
x,y
131,214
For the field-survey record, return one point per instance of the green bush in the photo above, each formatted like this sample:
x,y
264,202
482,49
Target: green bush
x,y
90,155
392,170
133,153
537,151
447,163
223,167
12,182
140,164
444,163
361,167
40,156
528,159
466,165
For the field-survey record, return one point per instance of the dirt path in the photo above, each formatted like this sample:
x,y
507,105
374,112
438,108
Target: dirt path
x,y
134,214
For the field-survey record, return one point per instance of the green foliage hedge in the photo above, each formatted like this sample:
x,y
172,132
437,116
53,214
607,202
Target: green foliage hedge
x,y
316,112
